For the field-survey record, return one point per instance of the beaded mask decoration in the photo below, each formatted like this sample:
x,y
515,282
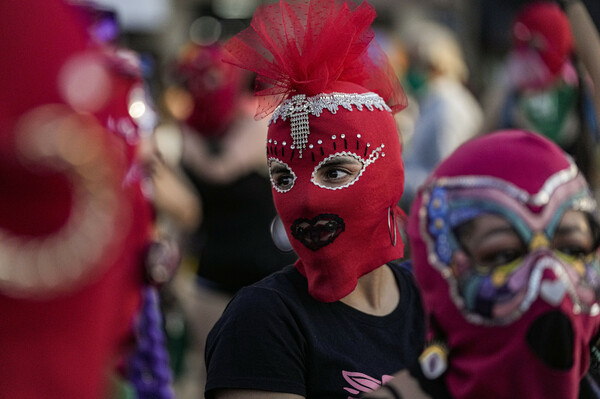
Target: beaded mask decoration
x,y
45,265
504,241
502,294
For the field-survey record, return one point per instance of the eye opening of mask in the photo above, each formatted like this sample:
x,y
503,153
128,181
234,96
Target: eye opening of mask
x,y
494,241
281,175
577,235
595,229
338,171
490,241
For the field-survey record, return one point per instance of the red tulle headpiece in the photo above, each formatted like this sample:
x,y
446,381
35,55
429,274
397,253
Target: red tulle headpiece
x,y
303,47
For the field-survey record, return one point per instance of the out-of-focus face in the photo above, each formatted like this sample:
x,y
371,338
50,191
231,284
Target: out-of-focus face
x,y
502,256
491,241
210,89
504,238
498,253
527,71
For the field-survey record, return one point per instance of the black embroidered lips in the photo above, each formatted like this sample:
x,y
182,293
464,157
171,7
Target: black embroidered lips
x,y
319,231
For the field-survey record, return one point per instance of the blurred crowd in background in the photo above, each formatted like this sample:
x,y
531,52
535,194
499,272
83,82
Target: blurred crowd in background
x,y
210,186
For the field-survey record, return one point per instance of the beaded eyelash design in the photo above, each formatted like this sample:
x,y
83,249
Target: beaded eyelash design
x,y
373,156
280,150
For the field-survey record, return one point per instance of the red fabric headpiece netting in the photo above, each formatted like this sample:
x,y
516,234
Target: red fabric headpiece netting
x,y
304,46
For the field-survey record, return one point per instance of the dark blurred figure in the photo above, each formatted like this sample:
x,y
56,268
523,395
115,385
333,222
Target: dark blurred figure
x,y
587,41
224,158
227,167
79,315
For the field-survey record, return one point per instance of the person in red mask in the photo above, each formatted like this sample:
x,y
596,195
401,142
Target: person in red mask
x,y
74,227
544,87
507,264
344,317
223,157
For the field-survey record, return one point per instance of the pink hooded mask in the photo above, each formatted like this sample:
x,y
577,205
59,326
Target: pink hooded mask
x,y
523,329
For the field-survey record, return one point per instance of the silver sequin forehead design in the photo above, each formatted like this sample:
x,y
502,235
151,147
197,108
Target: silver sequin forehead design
x,y
299,107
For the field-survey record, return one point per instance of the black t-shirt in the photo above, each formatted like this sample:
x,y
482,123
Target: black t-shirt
x,y
274,336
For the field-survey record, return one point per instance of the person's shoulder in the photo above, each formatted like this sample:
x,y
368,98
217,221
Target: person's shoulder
x,y
263,304
403,271
284,285
282,281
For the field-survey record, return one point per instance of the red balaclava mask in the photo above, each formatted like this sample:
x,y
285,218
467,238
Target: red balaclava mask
x,y
529,321
60,170
542,45
320,56
215,88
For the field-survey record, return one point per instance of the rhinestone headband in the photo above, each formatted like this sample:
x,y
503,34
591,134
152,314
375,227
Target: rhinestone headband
x,y
299,107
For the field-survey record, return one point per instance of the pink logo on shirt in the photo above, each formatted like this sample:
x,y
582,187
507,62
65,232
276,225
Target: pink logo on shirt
x,y
361,383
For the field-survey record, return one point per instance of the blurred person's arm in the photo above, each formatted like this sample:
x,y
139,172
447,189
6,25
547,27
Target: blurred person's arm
x,y
171,195
587,42
174,198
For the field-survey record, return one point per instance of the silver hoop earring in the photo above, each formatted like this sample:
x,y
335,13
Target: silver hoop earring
x,y
278,235
392,224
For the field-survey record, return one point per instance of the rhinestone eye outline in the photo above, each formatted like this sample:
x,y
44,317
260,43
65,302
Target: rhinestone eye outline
x,y
273,183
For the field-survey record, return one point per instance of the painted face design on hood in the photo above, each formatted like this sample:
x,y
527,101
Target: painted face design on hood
x,y
501,284
508,267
